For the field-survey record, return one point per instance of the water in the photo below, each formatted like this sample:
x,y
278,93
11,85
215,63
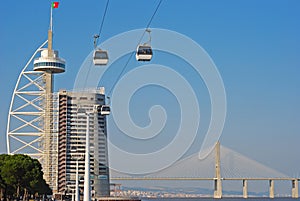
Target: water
x,y
211,199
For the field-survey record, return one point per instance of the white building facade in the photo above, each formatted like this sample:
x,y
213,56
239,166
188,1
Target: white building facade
x,y
71,142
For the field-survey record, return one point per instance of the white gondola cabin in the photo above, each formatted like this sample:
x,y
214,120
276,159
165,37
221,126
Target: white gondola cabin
x,y
143,53
100,57
105,110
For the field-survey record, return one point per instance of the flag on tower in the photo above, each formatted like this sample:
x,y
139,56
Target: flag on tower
x,y
55,4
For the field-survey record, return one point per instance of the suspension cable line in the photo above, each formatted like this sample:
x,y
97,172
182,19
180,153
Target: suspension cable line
x,y
95,45
131,55
96,40
102,22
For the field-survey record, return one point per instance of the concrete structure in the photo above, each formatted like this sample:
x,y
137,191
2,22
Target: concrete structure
x,y
49,63
72,142
217,179
295,188
245,188
31,125
271,190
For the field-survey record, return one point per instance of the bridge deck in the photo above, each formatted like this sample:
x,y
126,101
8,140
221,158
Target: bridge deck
x,y
195,178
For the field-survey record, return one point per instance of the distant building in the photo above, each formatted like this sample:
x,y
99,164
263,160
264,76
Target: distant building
x,y
71,142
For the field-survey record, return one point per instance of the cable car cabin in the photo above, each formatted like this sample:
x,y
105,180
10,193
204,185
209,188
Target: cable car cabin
x,y
100,57
105,110
144,53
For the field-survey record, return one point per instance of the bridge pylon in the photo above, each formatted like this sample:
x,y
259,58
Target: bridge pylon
x,y
217,179
295,188
245,188
271,188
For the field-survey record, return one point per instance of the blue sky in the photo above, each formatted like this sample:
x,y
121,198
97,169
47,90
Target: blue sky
x,y
255,45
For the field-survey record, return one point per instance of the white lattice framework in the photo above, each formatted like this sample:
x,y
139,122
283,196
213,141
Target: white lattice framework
x,y
27,132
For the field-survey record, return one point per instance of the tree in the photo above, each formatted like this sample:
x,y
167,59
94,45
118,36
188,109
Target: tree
x,y
21,175
4,187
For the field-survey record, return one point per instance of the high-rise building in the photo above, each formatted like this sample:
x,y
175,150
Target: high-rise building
x,y
71,142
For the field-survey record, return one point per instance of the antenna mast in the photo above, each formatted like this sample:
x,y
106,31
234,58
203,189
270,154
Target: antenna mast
x,y
50,53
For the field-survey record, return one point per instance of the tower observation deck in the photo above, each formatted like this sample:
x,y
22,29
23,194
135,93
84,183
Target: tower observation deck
x,y
32,120
52,64
49,60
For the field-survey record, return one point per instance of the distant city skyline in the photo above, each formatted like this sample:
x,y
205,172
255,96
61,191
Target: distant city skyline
x,y
254,44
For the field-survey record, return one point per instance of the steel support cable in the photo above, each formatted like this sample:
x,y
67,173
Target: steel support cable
x,y
91,63
102,22
100,30
131,55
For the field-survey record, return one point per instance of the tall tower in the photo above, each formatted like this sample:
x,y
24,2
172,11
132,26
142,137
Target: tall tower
x,y
49,63
32,125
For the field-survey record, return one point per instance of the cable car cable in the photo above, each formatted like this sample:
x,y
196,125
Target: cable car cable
x,y
100,57
95,45
123,69
153,16
103,19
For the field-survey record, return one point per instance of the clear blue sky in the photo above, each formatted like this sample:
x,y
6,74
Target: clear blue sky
x,y
255,45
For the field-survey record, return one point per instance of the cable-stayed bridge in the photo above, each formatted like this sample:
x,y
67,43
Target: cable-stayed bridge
x,y
222,171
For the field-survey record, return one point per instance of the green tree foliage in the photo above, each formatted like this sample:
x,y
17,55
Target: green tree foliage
x,y
20,175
